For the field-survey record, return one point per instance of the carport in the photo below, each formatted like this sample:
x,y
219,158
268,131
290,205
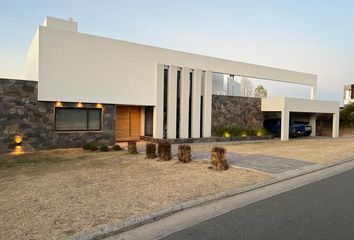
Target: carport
x,y
286,105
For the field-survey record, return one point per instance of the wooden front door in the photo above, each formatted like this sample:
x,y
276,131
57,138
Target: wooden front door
x,y
127,123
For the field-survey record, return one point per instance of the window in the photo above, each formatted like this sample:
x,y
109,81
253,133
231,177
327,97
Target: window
x,y
149,121
77,119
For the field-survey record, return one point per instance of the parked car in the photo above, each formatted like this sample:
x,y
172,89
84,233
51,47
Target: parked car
x,y
308,127
296,128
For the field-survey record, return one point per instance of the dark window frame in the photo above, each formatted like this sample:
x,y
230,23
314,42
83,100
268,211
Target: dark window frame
x,y
87,119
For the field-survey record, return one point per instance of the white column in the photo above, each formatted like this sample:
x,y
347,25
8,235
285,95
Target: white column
x,y
196,94
313,123
335,125
284,134
172,102
207,102
225,84
158,109
314,91
184,103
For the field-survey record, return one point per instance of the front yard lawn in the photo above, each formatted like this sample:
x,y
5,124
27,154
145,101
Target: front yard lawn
x,y
55,194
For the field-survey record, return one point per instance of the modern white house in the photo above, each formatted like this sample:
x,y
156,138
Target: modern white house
x,y
224,84
93,86
348,94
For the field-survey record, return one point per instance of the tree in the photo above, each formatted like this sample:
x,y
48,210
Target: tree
x,y
347,116
260,92
246,87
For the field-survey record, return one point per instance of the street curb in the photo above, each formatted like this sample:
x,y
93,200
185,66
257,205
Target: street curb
x,y
130,223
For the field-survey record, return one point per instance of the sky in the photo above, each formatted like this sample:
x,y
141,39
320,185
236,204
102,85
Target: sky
x,y
310,36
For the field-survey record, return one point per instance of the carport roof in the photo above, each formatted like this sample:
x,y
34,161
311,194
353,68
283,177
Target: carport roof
x,y
280,104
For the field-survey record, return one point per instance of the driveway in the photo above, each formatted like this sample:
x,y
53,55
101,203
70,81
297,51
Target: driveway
x,y
264,163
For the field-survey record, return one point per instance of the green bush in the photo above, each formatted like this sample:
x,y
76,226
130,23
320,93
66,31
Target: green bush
x,y
87,146
116,147
244,132
227,132
104,148
347,116
93,147
239,132
261,132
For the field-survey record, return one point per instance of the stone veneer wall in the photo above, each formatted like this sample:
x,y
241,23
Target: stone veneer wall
x,y
21,114
235,111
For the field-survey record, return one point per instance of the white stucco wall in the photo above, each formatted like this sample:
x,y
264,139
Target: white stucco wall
x,y
80,67
33,58
60,24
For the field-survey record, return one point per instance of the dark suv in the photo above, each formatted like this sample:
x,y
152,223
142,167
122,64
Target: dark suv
x,y
296,128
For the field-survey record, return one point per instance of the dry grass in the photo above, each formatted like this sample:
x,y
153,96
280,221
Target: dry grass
x,y
54,194
346,132
312,150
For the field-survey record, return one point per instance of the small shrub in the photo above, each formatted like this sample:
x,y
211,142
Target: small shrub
x,y
261,132
244,132
164,150
150,150
238,132
116,147
104,148
184,153
87,146
226,132
218,159
93,147
132,147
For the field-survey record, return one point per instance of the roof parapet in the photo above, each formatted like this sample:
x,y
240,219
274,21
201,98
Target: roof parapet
x,y
67,25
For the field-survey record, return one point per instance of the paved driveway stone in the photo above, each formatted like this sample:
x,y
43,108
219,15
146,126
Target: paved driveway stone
x,y
264,163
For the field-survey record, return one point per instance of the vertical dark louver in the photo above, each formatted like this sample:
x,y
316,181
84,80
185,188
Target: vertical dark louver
x,y
165,102
178,113
190,105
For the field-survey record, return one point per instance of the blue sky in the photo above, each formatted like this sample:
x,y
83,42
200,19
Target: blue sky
x,y
310,36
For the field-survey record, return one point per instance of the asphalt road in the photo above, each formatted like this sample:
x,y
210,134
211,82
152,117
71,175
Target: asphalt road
x,y
320,210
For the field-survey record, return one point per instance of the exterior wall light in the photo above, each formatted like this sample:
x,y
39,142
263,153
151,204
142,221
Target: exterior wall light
x,y
58,104
99,105
18,140
79,105
18,150
261,132
227,134
244,134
